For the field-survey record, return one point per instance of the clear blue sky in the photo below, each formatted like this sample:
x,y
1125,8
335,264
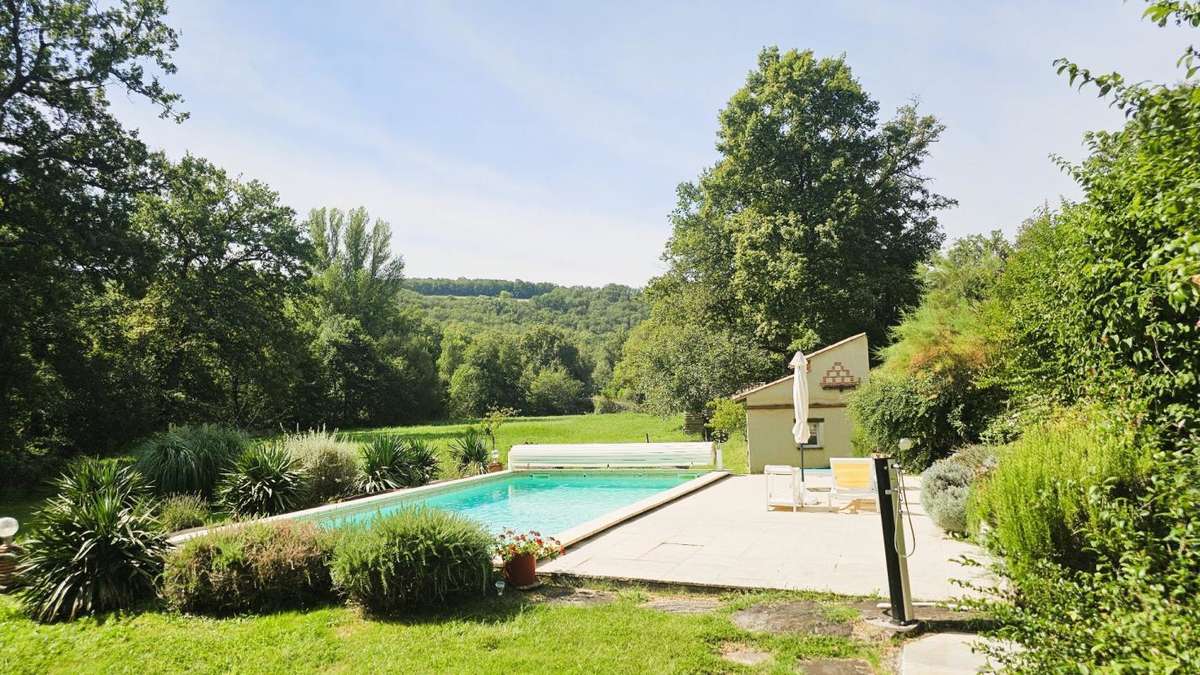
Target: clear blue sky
x,y
544,140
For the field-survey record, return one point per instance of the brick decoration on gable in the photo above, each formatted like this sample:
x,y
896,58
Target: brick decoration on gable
x,y
839,377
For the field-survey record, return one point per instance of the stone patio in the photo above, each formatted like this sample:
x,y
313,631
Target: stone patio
x,y
723,535
944,654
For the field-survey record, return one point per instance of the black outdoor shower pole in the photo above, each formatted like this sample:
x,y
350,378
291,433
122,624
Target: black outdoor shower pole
x,y
897,568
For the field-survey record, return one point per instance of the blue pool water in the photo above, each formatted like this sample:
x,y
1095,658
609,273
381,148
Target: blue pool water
x,y
548,503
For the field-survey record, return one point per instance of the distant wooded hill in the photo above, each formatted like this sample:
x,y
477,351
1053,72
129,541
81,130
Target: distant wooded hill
x,y
593,313
475,287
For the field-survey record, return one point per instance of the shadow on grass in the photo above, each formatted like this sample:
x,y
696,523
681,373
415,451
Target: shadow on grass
x,y
366,435
488,609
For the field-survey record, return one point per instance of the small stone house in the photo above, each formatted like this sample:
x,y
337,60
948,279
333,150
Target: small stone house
x,y
833,372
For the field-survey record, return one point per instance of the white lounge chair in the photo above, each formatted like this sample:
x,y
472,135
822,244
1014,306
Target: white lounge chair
x,y
784,487
853,481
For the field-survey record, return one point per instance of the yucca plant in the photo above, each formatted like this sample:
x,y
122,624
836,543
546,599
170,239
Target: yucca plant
x,y
96,545
383,465
189,459
471,452
419,463
264,480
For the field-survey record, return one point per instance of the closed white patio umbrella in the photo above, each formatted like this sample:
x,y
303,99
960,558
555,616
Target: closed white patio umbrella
x,y
799,366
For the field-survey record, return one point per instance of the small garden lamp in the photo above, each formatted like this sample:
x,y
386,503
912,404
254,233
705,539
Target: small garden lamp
x,y
8,530
500,587
8,552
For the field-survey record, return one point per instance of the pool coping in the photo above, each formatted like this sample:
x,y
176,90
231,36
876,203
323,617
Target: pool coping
x,y
570,536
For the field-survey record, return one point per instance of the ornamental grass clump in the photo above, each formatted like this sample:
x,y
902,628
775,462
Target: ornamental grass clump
x,y
413,558
96,545
189,459
182,512
258,567
263,481
330,465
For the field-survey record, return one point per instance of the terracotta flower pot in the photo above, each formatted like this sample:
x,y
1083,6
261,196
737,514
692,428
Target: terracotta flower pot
x,y
521,571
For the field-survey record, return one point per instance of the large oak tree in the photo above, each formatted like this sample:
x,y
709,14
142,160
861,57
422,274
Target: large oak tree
x,y
810,225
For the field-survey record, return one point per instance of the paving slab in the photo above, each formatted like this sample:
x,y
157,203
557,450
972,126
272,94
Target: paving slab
x,y
578,597
744,655
801,616
835,667
687,605
942,654
723,535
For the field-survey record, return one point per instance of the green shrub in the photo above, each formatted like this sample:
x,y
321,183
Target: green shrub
x,y
471,452
96,545
383,465
251,568
412,558
1036,501
605,405
945,486
27,465
181,512
1138,609
419,463
263,481
552,391
938,411
330,466
981,459
726,417
189,459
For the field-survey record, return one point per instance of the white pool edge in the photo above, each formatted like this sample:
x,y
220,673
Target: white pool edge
x,y
571,536
360,502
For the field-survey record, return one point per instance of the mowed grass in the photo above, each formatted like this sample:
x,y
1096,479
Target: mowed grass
x,y
499,635
626,427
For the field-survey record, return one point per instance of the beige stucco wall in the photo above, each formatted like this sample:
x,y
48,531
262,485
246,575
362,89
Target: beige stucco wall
x,y
769,414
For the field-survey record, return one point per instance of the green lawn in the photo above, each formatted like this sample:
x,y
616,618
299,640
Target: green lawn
x,y
624,427
513,634
21,505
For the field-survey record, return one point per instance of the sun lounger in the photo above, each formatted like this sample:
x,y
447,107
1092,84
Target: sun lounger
x,y
853,481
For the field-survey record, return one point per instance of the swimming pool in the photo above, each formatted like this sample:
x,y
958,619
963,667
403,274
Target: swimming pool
x,y
551,502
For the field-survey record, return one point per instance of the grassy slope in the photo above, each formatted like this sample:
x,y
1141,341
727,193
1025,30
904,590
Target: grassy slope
x,y
507,635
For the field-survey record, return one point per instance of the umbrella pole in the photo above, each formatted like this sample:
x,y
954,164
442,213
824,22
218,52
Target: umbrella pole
x,y
801,462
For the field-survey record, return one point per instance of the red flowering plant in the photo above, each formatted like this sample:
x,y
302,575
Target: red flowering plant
x,y
510,545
